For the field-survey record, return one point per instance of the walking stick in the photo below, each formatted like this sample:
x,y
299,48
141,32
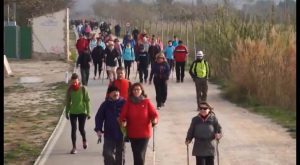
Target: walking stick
x,y
217,149
104,66
187,154
153,148
136,73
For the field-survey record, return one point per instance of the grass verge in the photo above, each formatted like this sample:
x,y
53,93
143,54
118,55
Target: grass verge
x,y
281,116
28,132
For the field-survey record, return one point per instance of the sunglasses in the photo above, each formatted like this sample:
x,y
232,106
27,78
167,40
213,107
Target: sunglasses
x,y
203,108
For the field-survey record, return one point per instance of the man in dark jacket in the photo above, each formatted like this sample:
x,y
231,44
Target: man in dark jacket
x,y
142,60
111,58
84,61
117,30
154,49
98,58
107,115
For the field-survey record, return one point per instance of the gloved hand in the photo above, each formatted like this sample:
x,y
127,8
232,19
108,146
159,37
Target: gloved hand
x,y
154,122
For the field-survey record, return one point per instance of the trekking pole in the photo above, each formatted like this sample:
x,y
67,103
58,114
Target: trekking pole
x,y
136,73
153,148
103,72
187,154
217,149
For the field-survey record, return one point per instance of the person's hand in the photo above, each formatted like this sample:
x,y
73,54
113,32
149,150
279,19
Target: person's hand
x,y
154,122
67,117
123,124
218,136
187,142
99,134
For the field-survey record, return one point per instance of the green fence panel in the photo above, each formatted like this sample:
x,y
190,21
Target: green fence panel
x,y
25,42
10,41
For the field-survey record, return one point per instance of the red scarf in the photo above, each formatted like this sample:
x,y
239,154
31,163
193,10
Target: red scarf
x,y
75,86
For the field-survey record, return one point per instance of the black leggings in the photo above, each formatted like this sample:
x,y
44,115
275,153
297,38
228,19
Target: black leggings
x,y
127,68
161,89
204,160
99,65
81,120
139,148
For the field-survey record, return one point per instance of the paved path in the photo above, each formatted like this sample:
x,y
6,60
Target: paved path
x,y
248,139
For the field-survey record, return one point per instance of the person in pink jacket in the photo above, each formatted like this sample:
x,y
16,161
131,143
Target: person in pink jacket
x,y
138,115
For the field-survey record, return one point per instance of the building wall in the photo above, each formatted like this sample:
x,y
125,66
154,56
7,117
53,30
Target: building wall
x,y
49,36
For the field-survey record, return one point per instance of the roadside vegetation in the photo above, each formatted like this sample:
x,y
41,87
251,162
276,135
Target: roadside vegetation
x,y
28,126
252,54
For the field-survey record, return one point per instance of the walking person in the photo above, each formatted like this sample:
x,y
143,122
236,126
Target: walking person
x,y
199,72
98,59
138,115
180,55
142,60
107,115
93,42
121,83
129,57
169,52
117,30
205,129
81,44
154,49
118,47
84,61
111,57
161,71
77,108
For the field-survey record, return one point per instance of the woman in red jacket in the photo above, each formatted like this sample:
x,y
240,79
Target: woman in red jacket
x,y
138,114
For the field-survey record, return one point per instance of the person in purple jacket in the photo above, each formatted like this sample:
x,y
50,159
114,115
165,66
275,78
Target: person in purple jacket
x,y
161,72
108,112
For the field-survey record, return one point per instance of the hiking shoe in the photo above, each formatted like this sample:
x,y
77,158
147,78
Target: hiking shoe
x,y
73,151
84,145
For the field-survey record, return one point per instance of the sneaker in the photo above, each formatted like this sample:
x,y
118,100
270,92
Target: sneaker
x,y
84,145
162,104
94,77
182,80
73,151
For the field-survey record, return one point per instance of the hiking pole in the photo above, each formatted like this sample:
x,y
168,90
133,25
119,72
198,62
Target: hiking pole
x,y
187,154
217,149
104,66
153,148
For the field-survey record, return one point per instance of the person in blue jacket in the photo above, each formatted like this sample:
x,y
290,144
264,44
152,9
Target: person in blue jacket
x,y
109,111
128,57
161,72
169,50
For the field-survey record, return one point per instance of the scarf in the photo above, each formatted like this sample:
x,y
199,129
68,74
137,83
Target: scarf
x,y
75,86
137,100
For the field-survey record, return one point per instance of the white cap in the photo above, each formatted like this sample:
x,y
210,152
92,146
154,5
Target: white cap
x,y
199,54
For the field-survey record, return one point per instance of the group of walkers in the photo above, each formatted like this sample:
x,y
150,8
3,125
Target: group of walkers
x,y
127,114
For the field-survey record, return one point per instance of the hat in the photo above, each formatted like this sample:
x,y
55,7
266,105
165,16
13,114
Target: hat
x,y
112,89
199,54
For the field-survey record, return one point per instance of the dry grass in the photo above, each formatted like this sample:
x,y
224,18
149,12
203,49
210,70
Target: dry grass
x,y
266,68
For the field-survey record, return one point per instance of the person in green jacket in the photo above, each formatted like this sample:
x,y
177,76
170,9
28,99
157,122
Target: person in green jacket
x,y
199,72
77,108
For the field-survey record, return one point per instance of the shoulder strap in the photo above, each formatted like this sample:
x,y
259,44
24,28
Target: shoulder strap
x,y
83,91
195,68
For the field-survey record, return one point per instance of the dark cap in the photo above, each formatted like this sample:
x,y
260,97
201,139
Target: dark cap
x,y
112,89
